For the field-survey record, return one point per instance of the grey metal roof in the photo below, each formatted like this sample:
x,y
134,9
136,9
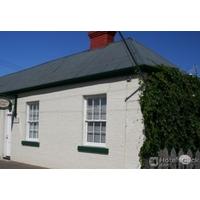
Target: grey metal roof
x,y
111,58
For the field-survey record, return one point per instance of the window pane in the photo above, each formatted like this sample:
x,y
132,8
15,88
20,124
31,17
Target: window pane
x,y
34,116
30,113
89,109
30,130
34,134
33,129
103,127
90,132
96,108
90,127
36,129
97,132
37,112
103,138
31,125
103,108
103,132
30,133
90,137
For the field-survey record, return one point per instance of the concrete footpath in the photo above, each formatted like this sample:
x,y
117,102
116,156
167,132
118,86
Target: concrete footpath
x,y
8,164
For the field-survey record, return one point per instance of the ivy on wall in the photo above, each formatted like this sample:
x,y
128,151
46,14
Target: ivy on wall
x,y
170,103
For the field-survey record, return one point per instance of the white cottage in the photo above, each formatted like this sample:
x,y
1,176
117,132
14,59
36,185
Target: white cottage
x,y
71,112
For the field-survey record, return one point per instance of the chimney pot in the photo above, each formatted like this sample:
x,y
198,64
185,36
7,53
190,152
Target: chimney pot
x,y
99,39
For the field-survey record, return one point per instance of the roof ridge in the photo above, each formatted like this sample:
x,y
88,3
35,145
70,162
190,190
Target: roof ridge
x,y
153,51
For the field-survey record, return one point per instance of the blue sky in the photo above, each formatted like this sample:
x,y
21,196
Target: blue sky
x,y
20,50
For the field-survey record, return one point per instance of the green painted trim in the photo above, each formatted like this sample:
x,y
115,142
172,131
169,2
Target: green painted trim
x,y
97,150
29,143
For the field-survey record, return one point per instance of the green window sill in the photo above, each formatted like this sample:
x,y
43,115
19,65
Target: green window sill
x,y
90,149
30,143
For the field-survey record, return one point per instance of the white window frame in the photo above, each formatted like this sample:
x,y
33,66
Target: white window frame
x,y
28,122
85,142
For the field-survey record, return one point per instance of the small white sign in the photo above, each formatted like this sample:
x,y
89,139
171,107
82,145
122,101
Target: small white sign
x,y
4,103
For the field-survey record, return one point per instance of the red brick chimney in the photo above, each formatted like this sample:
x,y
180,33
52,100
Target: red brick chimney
x,y
99,39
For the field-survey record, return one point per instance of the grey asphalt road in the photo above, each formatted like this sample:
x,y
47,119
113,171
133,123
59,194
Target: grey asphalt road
x,y
8,164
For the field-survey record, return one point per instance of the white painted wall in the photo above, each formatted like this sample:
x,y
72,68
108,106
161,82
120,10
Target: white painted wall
x,y
61,127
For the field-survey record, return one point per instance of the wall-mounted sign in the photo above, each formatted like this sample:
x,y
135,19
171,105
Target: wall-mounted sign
x,y
4,103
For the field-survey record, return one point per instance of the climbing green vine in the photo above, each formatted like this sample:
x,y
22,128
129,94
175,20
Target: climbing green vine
x,y
170,103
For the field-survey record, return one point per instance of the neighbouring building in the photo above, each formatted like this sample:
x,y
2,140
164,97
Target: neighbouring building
x,y
71,112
